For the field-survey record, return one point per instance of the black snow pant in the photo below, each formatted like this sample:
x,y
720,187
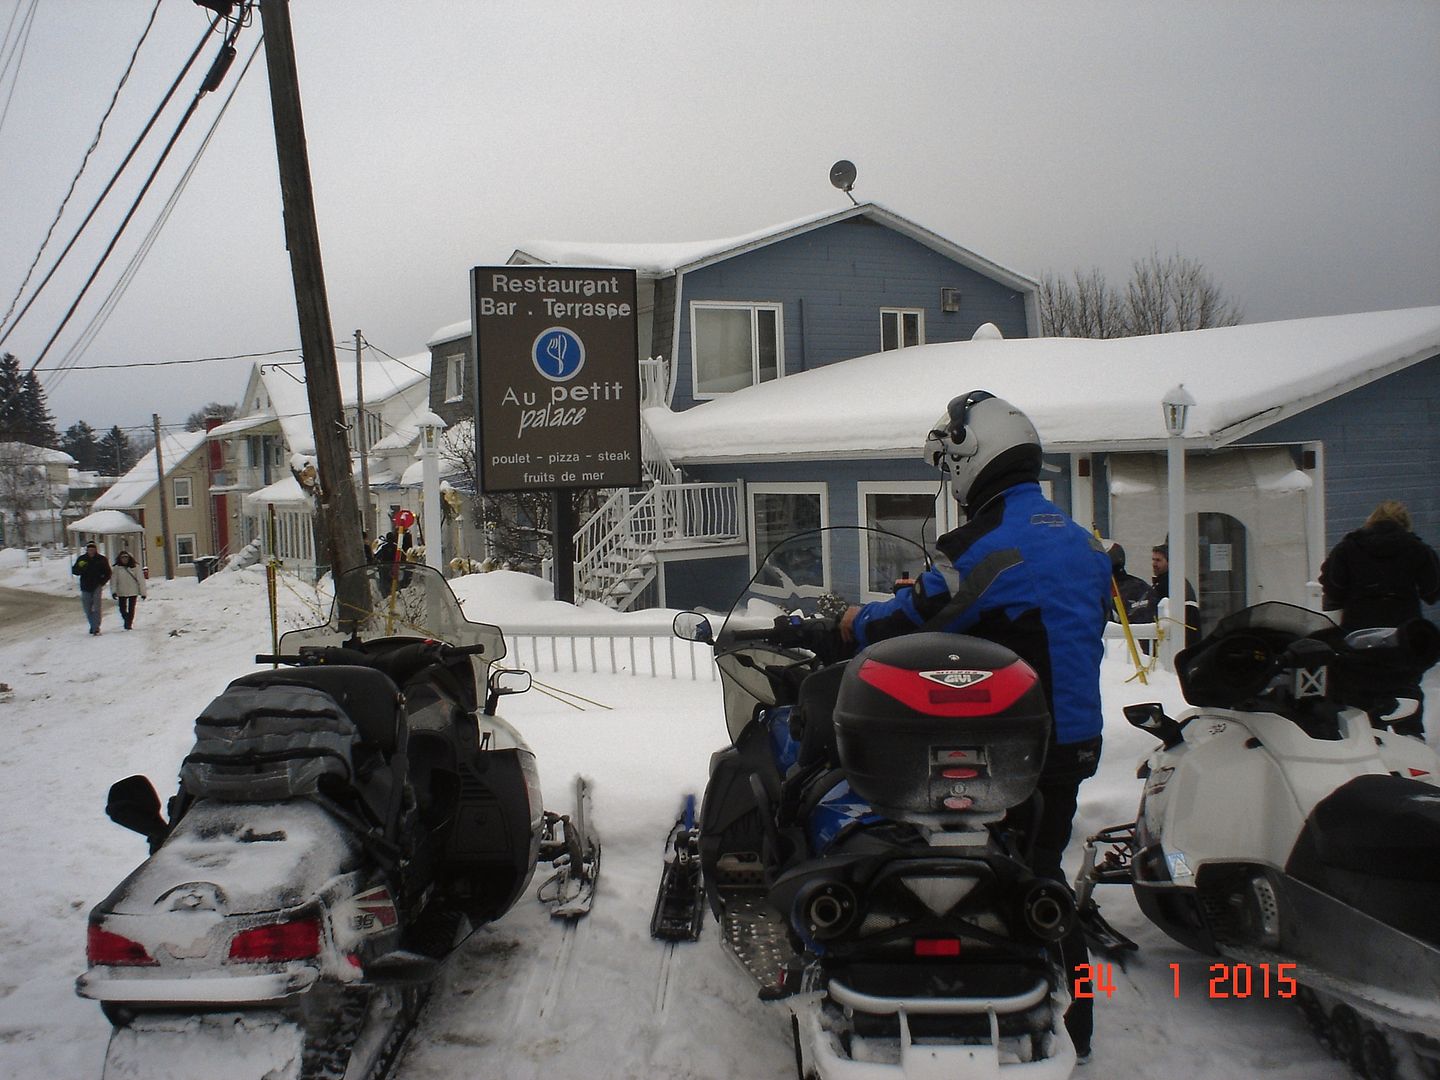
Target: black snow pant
x,y
127,609
1048,834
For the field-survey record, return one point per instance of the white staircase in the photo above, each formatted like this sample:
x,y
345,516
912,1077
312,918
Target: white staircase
x,y
616,550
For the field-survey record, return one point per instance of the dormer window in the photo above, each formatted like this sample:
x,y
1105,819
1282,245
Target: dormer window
x,y
735,345
455,377
901,327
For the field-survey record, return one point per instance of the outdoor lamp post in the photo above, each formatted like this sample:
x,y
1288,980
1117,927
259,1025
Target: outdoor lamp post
x,y
430,428
1175,406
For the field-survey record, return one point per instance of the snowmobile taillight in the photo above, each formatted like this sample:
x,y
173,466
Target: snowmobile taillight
x,y
937,946
298,939
103,948
959,692
960,774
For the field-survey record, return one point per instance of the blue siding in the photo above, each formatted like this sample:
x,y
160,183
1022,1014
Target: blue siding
x,y
1382,441
833,282
711,584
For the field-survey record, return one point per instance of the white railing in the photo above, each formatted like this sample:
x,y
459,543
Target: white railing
x,y
630,526
657,463
642,651
654,382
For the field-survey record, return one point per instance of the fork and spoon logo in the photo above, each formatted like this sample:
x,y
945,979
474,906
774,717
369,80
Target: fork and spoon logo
x,y
558,354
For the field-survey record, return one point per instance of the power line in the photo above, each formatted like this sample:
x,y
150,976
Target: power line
x,y
191,360
114,179
84,161
17,53
226,49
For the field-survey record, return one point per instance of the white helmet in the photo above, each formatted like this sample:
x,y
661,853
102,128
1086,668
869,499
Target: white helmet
x,y
982,440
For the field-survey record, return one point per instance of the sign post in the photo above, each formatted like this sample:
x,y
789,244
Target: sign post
x,y
557,402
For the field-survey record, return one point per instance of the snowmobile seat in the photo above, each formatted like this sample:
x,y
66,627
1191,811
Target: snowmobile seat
x,y
1374,843
369,697
813,717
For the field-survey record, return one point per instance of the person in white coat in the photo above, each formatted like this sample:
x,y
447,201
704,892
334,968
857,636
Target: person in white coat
x,y
127,584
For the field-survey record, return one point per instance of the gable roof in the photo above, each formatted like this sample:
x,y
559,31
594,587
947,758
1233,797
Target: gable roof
x,y
662,260
132,488
1081,394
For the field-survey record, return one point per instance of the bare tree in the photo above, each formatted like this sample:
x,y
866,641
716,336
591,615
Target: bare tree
x,y
1161,297
23,487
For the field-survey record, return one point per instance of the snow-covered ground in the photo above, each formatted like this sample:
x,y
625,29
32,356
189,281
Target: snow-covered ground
x,y
524,998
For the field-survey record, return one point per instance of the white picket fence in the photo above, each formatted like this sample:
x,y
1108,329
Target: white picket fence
x,y
617,650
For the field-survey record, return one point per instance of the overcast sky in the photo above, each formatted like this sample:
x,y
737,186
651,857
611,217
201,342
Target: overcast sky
x,y
1293,148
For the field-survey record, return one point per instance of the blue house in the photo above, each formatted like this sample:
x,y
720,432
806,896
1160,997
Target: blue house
x,y
718,318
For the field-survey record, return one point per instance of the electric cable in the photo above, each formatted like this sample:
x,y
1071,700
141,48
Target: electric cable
x,y
134,206
17,53
117,291
84,161
114,179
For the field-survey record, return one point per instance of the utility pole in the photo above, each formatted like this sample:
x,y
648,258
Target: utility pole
x,y
363,438
164,502
335,504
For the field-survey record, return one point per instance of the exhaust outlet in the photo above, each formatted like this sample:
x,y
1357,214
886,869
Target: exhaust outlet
x,y
1049,910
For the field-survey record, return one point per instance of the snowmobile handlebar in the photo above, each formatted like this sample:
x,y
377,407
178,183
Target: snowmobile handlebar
x,y
341,654
817,634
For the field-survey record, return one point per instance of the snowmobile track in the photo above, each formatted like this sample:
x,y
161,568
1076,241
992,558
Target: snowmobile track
x,y
662,979
558,969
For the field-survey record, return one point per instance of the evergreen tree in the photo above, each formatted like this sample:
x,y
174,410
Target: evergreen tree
x,y
39,424
81,443
116,453
10,399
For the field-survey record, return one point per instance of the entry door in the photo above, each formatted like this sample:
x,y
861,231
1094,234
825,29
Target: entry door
x,y
1223,587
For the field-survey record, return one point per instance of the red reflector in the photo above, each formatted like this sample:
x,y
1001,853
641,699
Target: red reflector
x,y
1000,691
937,946
298,940
1419,772
959,774
113,950
959,802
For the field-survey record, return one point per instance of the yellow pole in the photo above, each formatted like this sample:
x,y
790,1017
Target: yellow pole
x,y
1124,618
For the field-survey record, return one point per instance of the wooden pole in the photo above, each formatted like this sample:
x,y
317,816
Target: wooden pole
x,y
164,502
336,504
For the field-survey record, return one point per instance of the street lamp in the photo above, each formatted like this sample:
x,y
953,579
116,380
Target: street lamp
x,y
1175,407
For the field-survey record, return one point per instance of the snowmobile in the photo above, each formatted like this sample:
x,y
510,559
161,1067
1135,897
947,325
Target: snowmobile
x,y
1285,830
851,843
341,823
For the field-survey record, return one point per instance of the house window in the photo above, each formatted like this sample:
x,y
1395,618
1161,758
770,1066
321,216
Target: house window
x,y
455,377
777,512
182,492
185,548
901,328
908,513
734,346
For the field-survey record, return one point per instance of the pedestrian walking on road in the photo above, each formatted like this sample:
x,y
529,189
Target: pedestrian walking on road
x,y
127,585
93,570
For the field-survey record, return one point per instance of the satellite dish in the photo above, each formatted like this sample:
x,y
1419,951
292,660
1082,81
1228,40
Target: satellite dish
x,y
842,175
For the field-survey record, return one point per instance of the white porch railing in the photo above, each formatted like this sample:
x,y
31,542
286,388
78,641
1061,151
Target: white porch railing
x,y
642,651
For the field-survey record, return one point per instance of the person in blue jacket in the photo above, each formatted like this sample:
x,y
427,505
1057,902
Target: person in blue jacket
x,y
1027,577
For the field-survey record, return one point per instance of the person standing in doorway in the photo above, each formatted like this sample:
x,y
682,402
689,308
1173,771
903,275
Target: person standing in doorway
x,y
93,570
127,585
1160,590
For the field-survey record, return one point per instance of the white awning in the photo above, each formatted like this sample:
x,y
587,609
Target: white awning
x,y
106,523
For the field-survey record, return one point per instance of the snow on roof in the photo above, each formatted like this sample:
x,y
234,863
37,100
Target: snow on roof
x,y
1079,393
290,401
668,258
106,523
29,454
131,489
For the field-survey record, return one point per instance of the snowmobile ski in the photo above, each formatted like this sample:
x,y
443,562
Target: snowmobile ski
x,y
569,844
679,912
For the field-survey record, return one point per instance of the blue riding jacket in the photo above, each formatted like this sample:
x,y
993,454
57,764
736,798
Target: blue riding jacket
x,y
1030,579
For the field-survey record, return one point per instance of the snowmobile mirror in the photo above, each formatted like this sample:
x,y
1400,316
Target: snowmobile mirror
x,y
505,681
401,968
692,626
1150,716
133,804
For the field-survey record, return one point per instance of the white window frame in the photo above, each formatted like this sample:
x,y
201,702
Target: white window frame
x,y
178,485
455,377
865,488
752,490
752,306
181,539
899,313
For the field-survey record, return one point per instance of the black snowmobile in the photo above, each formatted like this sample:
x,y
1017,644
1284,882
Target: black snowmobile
x,y
340,825
1283,828
850,838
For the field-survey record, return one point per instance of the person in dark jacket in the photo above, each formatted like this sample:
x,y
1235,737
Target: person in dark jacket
x,y
1160,590
93,570
1027,577
1377,576
1134,592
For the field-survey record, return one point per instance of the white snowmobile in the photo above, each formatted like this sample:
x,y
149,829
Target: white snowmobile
x,y
339,826
1285,830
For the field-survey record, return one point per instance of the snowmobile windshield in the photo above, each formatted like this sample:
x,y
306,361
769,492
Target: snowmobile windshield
x,y
812,575
404,600
1236,661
